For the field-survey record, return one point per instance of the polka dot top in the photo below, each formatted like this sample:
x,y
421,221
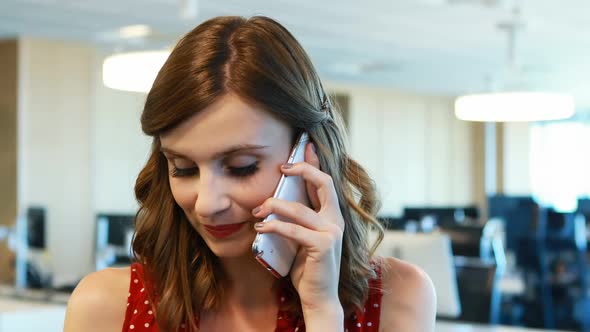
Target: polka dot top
x,y
140,314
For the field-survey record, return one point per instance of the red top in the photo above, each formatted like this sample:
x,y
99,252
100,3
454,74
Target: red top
x,y
140,312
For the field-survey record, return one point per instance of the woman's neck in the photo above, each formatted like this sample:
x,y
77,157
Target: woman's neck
x,y
247,283
249,301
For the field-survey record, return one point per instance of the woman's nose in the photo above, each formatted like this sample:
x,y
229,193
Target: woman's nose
x,y
212,197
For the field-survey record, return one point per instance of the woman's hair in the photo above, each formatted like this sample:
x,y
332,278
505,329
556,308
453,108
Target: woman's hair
x,y
259,61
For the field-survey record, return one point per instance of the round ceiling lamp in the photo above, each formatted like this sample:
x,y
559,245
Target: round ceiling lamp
x,y
514,107
515,102
133,71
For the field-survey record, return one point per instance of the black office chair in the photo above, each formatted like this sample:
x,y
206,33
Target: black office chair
x,y
477,291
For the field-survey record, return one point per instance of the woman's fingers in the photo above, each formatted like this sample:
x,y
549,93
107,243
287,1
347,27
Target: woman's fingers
x,y
317,241
293,211
322,182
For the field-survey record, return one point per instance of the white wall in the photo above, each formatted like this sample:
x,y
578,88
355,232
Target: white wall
x,y
80,148
120,149
413,147
517,159
55,147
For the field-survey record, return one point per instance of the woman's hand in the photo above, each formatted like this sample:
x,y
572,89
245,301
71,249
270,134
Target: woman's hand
x,y
318,230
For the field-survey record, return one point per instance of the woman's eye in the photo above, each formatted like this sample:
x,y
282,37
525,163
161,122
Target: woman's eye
x,y
243,171
182,167
180,172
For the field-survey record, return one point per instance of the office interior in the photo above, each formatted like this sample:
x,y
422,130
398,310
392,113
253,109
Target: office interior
x,y
496,213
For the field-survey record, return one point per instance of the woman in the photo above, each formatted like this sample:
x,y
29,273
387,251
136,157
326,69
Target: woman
x,y
224,113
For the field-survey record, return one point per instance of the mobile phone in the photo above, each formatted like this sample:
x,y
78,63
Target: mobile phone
x,y
273,251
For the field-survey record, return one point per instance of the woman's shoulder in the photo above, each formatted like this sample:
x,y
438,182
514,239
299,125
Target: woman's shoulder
x,y
409,299
99,301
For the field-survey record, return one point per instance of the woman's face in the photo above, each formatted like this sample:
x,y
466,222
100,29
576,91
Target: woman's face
x,y
223,162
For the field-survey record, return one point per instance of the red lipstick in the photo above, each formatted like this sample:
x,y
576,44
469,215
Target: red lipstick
x,y
223,231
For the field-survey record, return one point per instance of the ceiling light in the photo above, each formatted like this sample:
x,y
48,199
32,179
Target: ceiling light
x,y
135,31
514,102
514,106
134,71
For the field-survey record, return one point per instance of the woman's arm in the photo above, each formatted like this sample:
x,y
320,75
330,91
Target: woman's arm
x,y
409,299
99,302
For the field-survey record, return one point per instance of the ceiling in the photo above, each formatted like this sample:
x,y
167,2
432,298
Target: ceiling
x,y
440,47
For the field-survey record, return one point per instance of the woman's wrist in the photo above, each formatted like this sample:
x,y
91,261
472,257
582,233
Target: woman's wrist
x,y
324,317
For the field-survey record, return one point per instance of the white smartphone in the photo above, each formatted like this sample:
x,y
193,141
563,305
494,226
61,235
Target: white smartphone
x,y
273,251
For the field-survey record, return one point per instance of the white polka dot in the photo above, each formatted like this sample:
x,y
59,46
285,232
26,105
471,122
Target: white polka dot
x,y
135,311
129,295
296,329
280,317
127,304
150,312
142,289
358,324
375,305
146,302
147,325
282,299
133,270
369,324
135,281
131,327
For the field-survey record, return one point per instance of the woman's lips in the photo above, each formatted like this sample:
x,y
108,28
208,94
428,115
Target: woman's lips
x,y
223,231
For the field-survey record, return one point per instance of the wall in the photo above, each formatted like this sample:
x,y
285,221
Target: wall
x,y
55,148
516,161
8,147
120,149
413,146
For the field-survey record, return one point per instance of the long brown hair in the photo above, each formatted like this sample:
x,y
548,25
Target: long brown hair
x,y
258,60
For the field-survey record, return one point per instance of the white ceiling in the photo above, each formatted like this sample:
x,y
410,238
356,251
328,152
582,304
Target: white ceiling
x,y
445,47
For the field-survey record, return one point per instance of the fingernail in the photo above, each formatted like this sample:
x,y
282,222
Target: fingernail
x,y
287,165
256,210
258,225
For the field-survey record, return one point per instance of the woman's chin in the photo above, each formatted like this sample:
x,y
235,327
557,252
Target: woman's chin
x,y
233,248
232,251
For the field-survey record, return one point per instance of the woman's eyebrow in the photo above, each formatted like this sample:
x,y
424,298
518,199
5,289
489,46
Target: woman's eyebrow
x,y
238,148
171,152
231,150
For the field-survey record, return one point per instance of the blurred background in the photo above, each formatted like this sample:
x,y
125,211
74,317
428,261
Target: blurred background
x,y
495,211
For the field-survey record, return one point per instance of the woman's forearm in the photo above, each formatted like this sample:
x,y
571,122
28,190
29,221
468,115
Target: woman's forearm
x,y
324,318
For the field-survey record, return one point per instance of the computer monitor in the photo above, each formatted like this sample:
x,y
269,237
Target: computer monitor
x,y
520,215
444,215
113,239
113,229
393,223
465,239
584,205
36,228
431,252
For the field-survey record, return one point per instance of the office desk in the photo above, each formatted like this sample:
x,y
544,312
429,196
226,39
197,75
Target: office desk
x,y
463,327
23,316
31,310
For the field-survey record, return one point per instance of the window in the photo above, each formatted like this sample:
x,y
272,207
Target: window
x,y
560,163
